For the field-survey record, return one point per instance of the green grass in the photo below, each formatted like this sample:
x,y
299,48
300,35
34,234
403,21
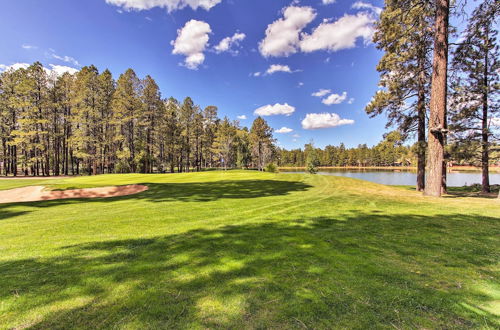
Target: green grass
x,y
249,250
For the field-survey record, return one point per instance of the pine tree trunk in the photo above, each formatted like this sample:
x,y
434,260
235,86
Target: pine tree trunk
x,y
485,156
421,127
444,186
438,101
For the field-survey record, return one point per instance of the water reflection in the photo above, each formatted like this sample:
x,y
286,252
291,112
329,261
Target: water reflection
x,y
403,177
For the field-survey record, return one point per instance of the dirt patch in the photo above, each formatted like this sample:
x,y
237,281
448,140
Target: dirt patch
x,y
37,193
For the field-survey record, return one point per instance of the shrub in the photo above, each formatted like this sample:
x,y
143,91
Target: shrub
x,y
271,168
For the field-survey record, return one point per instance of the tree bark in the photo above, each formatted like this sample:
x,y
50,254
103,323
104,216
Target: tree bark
x,y
421,127
438,101
485,155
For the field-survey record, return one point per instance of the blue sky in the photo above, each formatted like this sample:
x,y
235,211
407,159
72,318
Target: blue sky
x,y
304,46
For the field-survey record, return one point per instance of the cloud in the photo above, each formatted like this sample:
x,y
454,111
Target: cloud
x,y
256,74
365,5
227,43
335,99
283,36
322,92
67,59
296,136
328,2
170,5
495,122
300,84
284,130
242,117
28,47
277,109
351,100
15,66
191,42
57,70
338,35
324,120
278,68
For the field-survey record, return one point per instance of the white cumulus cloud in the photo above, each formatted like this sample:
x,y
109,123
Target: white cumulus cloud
x,y
15,66
324,120
338,35
277,109
59,70
242,117
365,5
191,42
284,130
170,5
335,99
322,92
226,44
283,36
278,68
328,2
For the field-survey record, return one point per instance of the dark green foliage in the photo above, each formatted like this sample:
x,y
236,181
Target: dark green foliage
x,y
87,123
271,168
475,84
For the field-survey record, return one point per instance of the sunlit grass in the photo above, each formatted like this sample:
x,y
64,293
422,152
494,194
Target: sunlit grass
x,y
249,250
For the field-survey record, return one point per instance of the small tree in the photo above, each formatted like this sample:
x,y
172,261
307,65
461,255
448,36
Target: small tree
x,y
312,159
261,139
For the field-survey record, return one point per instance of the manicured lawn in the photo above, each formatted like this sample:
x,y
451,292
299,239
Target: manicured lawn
x,y
249,250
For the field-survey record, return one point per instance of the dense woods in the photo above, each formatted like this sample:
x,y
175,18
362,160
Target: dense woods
x,y
87,123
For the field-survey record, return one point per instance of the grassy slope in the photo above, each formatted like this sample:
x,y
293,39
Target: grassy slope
x,y
249,250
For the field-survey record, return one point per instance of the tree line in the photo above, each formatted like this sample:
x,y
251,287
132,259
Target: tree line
x,y
391,151
443,94
88,123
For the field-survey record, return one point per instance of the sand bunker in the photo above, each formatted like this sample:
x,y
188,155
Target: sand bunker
x,y
37,193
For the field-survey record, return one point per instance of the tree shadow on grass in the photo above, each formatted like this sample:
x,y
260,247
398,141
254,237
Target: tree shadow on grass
x,y
185,192
212,191
460,192
356,271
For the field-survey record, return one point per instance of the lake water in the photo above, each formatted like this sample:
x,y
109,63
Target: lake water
x,y
404,177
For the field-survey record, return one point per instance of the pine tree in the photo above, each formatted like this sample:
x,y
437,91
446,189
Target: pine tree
x,y
438,102
86,120
186,116
404,32
171,129
106,89
261,139
209,129
476,82
153,107
126,107
224,143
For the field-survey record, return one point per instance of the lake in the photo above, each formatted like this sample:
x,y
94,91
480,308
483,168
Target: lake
x,y
403,177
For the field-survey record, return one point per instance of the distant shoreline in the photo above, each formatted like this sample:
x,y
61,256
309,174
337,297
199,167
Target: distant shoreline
x,y
493,169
